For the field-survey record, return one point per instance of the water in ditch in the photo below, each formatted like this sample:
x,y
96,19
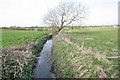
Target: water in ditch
x,y
43,67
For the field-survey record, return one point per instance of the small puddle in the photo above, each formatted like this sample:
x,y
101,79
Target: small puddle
x,y
43,67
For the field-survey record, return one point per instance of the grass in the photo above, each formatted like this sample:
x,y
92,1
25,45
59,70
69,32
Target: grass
x,y
94,75
0,38
99,43
41,43
103,39
18,38
67,74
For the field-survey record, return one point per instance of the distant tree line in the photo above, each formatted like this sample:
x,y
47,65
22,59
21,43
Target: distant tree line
x,y
50,28
28,28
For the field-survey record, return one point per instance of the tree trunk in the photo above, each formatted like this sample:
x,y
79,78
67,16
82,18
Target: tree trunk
x,y
60,28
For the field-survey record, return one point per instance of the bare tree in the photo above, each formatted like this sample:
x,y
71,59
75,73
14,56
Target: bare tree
x,y
64,14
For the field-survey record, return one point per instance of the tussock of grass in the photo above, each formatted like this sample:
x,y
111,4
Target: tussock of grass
x,y
91,61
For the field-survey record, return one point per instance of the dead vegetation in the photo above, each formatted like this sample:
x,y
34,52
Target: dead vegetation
x,y
72,60
17,60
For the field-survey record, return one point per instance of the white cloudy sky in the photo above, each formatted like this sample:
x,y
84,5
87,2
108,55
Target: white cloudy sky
x,y
30,12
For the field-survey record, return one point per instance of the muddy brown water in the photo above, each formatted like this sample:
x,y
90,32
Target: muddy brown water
x,y
44,64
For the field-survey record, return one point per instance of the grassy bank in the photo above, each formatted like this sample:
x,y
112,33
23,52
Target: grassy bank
x,y
19,60
86,52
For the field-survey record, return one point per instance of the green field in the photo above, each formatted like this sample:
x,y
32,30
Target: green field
x,y
19,60
18,38
90,52
86,52
104,40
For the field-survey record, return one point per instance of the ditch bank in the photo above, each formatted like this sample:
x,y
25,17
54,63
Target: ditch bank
x,y
71,60
19,62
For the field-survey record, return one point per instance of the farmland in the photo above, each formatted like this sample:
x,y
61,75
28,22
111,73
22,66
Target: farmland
x,y
19,51
18,38
104,40
86,52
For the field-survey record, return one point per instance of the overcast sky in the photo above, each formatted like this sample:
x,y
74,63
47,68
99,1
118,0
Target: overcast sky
x,y
30,12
